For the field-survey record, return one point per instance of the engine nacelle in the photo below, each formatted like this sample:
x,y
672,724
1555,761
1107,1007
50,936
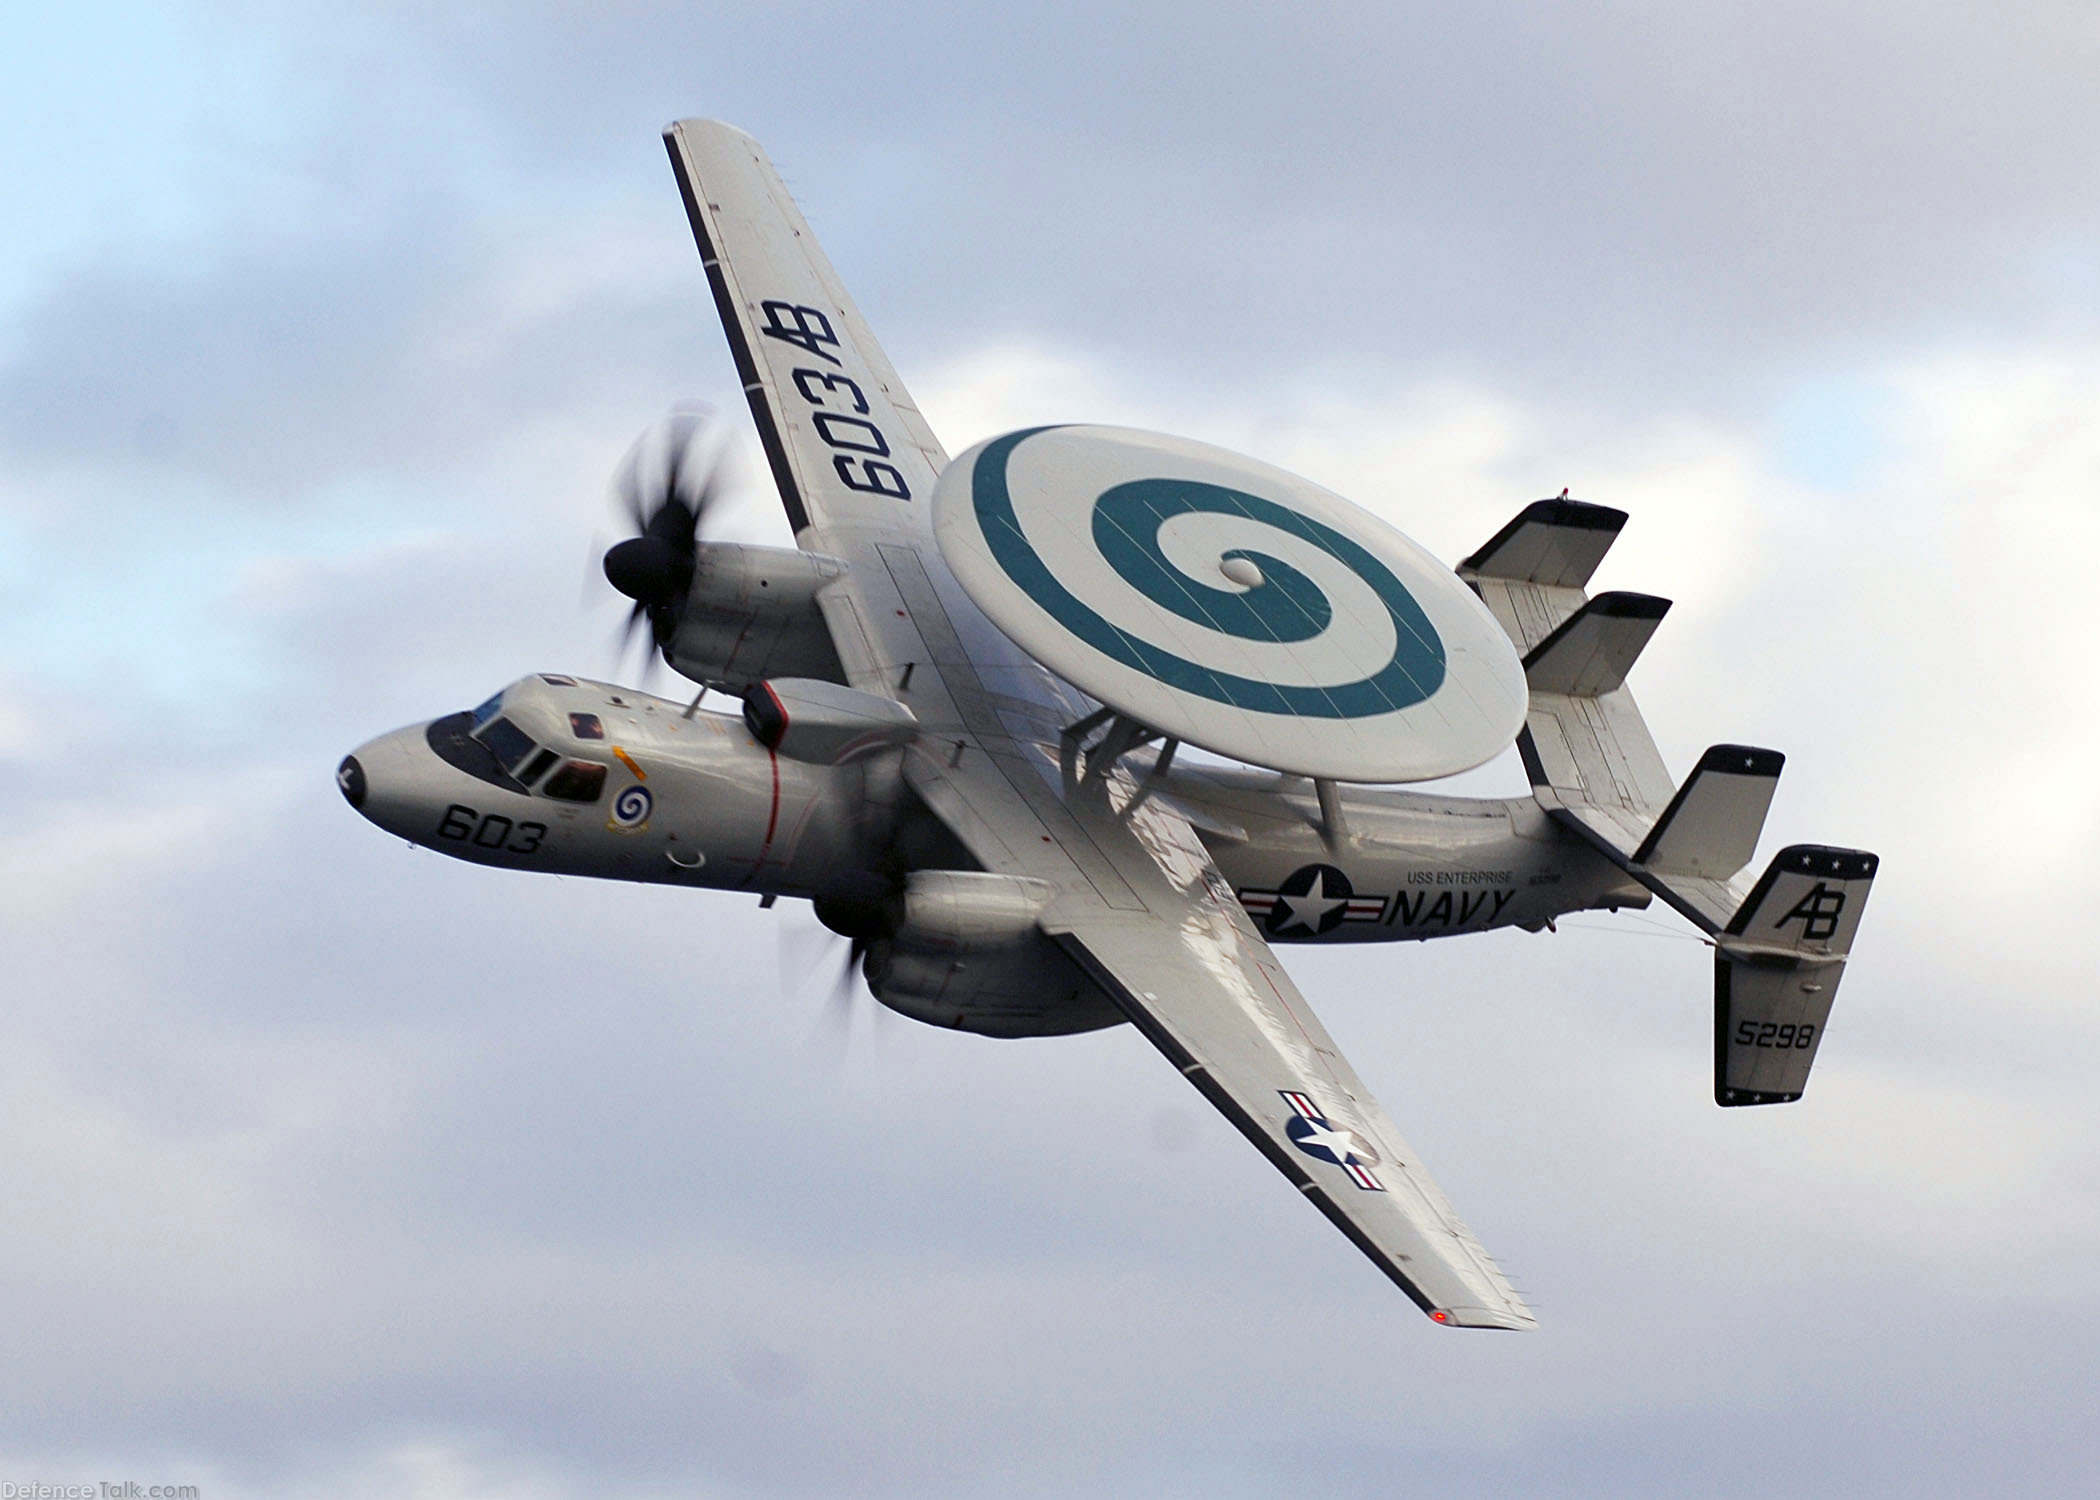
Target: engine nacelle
x,y
751,613
822,722
968,911
968,955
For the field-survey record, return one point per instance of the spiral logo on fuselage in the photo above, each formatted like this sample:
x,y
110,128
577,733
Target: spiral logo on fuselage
x,y
1130,529
630,810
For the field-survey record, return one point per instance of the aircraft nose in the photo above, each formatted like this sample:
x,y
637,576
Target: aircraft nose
x,y
350,779
383,777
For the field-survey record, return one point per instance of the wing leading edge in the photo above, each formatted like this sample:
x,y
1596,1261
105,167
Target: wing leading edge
x,y
844,441
1211,995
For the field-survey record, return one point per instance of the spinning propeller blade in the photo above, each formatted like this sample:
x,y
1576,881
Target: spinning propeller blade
x,y
665,487
806,959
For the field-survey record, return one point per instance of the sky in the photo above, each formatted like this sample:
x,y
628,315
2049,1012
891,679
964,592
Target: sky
x,y
330,1167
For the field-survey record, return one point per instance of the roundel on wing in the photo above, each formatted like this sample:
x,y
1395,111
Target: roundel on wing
x,y
1344,1148
1224,602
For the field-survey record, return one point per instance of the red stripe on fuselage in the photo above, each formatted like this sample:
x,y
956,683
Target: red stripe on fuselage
x,y
772,816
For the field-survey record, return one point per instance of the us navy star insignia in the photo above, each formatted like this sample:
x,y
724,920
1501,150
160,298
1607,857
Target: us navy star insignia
x,y
1311,901
1312,1133
1338,1144
1311,909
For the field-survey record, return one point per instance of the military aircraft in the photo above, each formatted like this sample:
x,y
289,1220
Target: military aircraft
x,y
964,690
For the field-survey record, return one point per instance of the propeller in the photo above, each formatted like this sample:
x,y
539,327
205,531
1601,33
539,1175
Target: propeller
x,y
665,486
862,906
808,961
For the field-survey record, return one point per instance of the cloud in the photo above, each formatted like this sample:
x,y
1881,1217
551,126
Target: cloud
x,y
1643,205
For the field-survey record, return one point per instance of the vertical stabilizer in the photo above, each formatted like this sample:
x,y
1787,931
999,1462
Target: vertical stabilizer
x,y
1776,971
1712,825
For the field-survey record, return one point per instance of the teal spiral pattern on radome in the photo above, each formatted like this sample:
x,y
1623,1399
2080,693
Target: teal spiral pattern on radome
x,y
1286,607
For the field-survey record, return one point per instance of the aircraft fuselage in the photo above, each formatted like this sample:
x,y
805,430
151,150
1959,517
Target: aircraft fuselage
x,y
594,780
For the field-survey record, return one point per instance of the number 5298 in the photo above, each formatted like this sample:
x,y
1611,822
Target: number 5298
x,y
1773,1034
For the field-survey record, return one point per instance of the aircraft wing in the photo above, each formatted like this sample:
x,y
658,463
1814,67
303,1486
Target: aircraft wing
x,y
1138,905
840,433
1210,994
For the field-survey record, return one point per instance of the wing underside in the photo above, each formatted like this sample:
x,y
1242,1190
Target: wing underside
x,y
1211,996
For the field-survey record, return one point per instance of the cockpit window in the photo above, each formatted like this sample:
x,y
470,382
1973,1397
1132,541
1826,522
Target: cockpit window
x,y
487,711
510,743
538,768
578,781
586,727
452,738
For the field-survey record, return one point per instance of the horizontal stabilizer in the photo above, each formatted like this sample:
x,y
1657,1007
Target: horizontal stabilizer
x,y
1557,543
1712,825
1776,971
1590,652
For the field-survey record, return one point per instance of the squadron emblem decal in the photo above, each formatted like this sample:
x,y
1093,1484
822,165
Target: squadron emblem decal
x,y
1311,902
1817,912
1311,1133
630,810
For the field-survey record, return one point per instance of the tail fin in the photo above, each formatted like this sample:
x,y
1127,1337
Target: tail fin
x,y
1590,653
1554,543
1712,825
1776,971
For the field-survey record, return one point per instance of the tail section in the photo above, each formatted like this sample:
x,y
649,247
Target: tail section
x,y
1781,944
1592,762
1776,971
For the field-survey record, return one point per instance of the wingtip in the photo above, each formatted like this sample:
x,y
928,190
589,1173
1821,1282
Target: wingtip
x,y
1516,1319
698,123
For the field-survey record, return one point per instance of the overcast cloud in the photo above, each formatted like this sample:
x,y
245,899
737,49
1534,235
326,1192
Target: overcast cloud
x,y
337,1169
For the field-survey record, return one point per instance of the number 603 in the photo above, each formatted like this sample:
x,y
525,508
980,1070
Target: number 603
x,y
495,831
